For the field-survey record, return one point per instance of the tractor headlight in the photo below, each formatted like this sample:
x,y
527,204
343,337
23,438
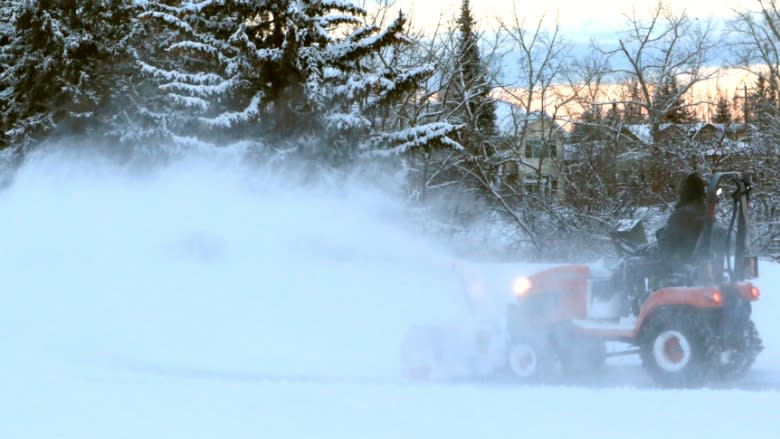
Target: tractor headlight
x,y
521,286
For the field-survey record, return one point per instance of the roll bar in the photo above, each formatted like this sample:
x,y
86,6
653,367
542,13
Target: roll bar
x,y
744,266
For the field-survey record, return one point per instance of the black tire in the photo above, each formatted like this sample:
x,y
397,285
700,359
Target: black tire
x,y
740,358
679,351
529,360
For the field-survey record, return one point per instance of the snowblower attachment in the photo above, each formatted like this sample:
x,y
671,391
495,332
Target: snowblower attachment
x,y
450,351
471,344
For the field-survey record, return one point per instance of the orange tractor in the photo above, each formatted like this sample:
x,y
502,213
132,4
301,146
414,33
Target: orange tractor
x,y
690,325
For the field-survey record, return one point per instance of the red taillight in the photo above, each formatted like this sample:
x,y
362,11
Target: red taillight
x,y
755,293
717,297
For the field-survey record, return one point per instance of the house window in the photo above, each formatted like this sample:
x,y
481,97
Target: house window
x,y
539,149
544,186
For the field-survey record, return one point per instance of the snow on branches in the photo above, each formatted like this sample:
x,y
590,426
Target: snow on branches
x,y
283,68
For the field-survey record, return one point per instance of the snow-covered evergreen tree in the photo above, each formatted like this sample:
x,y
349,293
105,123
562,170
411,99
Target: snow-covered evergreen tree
x,y
149,120
633,112
8,12
669,99
763,102
460,100
722,111
64,64
281,70
468,89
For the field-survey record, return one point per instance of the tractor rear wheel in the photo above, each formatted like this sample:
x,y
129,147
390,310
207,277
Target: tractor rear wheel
x,y
736,360
679,352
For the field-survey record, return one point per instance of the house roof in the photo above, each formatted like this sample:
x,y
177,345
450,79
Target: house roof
x,y
640,131
643,131
510,118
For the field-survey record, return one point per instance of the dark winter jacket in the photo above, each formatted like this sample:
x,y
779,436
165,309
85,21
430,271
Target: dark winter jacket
x,y
681,232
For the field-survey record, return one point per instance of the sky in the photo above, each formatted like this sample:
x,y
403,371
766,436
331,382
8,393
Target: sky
x,y
585,21
593,16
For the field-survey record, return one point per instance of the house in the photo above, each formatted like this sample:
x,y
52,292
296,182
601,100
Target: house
x,y
620,147
711,133
531,149
672,134
627,152
707,133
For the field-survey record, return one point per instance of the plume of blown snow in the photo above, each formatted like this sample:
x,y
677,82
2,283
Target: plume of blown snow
x,y
207,263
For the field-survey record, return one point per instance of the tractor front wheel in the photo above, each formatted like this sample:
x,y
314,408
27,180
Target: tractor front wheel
x,y
529,359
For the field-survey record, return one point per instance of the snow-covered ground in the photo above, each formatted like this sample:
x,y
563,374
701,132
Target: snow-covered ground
x,y
204,301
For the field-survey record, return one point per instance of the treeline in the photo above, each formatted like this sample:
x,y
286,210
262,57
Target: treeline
x,y
187,72
337,85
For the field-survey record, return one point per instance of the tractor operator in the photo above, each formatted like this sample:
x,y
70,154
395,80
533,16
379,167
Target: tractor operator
x,y
678,237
